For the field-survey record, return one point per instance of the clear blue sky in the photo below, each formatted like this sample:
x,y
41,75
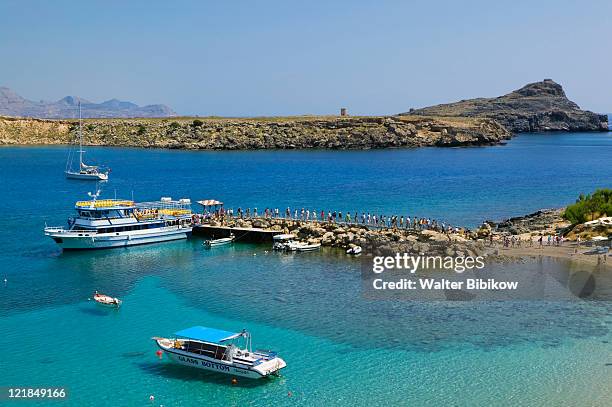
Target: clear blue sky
x,y
286,57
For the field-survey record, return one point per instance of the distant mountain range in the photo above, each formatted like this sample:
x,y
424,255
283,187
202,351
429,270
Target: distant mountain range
x,y
12,104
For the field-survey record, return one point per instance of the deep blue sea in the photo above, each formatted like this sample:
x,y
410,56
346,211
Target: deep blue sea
x,y
341,349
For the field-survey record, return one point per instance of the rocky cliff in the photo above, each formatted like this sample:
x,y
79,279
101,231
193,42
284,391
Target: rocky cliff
x,y
12,104
260,133
539,106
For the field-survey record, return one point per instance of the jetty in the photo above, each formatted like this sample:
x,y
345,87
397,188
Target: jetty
x,y
242,234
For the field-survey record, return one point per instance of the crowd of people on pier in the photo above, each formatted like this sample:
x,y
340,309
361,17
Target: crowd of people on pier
x,y
370,219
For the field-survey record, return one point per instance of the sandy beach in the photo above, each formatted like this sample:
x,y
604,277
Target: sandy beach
x,y
569,251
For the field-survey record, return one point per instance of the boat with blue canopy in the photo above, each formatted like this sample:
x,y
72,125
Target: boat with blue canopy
x,y
220,351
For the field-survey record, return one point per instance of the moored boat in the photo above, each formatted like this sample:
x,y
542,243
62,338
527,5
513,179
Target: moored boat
x,y
84,172
107,300
354,250
303,246
220,351
282,241
219,242
110,223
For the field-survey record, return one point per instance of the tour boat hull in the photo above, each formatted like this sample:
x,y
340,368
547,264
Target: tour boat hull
x,y
87,241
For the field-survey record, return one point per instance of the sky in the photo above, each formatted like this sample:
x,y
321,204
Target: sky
x,y
247,58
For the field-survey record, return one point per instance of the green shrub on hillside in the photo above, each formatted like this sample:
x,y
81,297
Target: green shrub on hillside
x,y
590,207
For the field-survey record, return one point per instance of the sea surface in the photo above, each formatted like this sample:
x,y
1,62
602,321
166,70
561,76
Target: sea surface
x,y
341,348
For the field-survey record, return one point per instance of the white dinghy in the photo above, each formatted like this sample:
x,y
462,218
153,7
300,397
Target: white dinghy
x,y
107,300
220,242
354,250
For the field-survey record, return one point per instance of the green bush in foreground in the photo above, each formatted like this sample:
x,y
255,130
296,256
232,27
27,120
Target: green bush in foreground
x,y
590,207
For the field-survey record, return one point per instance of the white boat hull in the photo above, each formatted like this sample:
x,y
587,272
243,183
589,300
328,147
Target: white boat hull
x,y
78,175
265,369
210,365
219,242
87,241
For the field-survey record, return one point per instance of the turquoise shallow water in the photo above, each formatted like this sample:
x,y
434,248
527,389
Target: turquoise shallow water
x,y
341,349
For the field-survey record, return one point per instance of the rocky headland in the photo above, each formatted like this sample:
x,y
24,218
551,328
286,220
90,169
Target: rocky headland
x,y
328,132
536,107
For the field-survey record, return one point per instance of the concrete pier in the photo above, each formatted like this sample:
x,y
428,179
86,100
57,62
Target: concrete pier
x,y
242,234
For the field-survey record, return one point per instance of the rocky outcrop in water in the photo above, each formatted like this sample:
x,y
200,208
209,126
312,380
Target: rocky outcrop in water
x,y
260,133
12,104
542,221
539,106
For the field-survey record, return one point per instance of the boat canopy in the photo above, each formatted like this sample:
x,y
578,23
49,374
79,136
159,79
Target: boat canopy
x,y
105,204
210,202
202,333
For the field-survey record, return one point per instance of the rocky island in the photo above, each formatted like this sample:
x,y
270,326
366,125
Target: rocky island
x,y
329,132
536,107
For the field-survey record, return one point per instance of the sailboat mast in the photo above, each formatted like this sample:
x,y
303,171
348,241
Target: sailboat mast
x,y
80,138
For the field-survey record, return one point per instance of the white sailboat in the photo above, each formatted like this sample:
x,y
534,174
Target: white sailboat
x,y
85,172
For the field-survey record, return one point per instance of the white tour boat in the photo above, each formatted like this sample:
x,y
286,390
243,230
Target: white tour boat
x,y
220,351
108,223
219,242
85,172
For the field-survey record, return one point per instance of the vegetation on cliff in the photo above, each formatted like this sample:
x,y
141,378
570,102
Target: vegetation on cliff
x,y
539,106
590,207
329,132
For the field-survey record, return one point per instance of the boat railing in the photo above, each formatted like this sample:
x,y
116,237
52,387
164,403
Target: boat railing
x,y
267,354
105,203
166,208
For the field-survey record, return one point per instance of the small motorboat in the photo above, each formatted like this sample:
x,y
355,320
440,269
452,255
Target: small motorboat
x,y
354,250
220,351
282,242
107,300
303,246
219,242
